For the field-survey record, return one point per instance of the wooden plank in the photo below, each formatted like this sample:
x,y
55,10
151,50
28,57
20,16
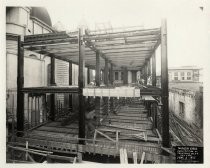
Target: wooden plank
x,y
127,46
75,159
159,136
122,160
106,136
30,158
59,157
135,157
26,155
169,151
59,130
125,156
126,128
26,150
17,161
130,120
142,158
51,89
116,36
123,34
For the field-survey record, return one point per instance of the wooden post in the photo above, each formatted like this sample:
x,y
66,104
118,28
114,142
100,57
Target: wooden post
x,y
70,83
20,85
52,83
164,85
81,85
153,70
97,79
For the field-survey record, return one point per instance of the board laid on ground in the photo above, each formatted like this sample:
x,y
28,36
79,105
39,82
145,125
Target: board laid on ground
x,y
112,92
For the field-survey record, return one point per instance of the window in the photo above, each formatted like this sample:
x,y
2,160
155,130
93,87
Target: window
x,y
189,76
175,73
116,76
122,74
33,56
182,73
181,109
182,76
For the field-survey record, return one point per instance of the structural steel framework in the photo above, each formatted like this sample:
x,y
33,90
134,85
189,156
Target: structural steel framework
x,y
123,50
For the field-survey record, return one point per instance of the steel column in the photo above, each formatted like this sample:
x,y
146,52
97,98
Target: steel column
x,y
70,83
81,86
153,70
97,79
106,73
164,85
125,76
111,74
20,85
52,83
98,72
88,75
145,74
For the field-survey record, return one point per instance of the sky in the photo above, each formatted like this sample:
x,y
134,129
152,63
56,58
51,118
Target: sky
x,y
186,22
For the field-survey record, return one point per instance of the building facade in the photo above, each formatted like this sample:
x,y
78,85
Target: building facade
x,y
28,21
186,94
185,74
187,105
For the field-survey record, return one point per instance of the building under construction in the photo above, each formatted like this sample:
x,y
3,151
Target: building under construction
x,y
102,119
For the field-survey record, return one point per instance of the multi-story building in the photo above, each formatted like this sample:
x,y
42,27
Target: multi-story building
x,y
186,94
185,74
29,21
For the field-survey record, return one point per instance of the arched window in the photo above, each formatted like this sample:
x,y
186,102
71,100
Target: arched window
x,y
33,56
